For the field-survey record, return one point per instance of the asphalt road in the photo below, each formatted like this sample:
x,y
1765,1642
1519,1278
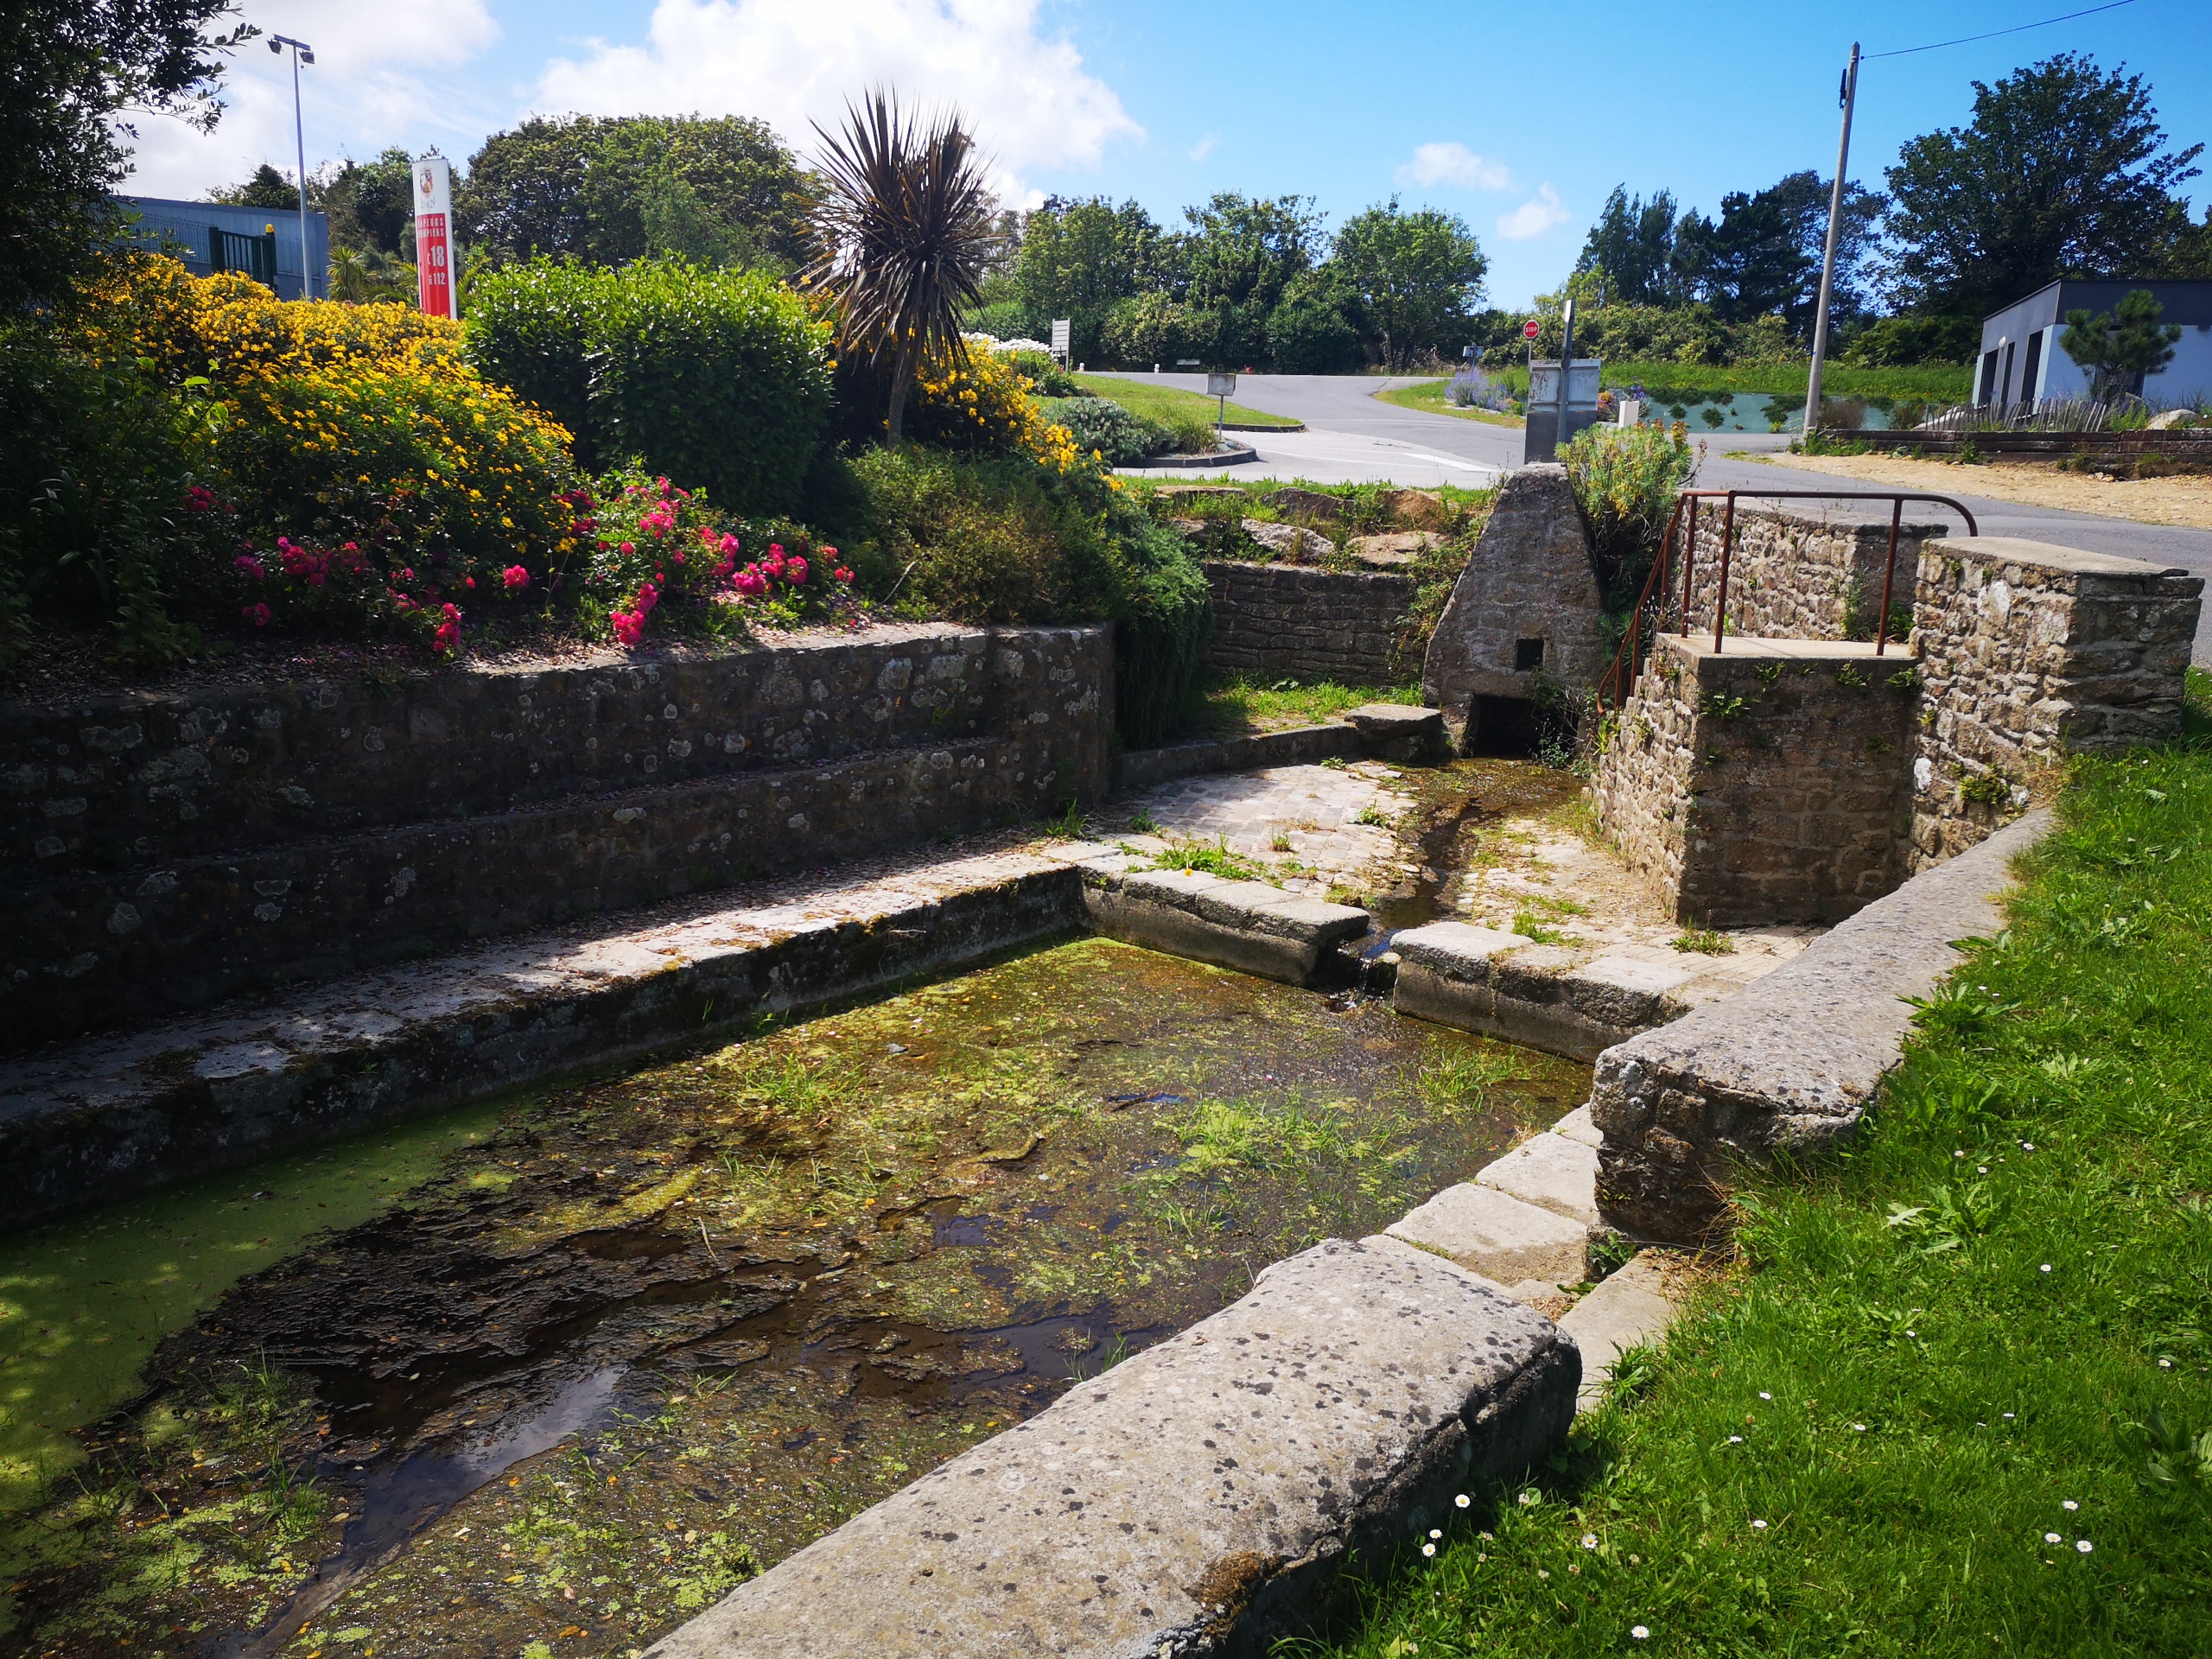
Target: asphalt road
x,y
1354,438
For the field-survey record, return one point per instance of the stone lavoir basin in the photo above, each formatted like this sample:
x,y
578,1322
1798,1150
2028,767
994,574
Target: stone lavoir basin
x,y
610,1347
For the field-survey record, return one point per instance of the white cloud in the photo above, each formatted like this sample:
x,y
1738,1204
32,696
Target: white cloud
x,y
379,72
1204,148
1454,163
793,62
1541,212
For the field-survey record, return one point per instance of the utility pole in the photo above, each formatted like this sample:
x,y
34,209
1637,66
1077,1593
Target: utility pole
x,y
1849,98
302,53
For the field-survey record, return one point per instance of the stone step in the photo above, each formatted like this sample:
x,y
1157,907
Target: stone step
x,y
1498,1236
98,951
1198,1497
1293,746
1633,1307
1551,1171
98,1118
1248,925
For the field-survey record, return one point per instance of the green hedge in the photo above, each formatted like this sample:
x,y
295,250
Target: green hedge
x,y
718,378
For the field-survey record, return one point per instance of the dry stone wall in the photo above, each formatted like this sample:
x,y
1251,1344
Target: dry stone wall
x,y
1763,785
2031,653
1800,576
1287,619
120,781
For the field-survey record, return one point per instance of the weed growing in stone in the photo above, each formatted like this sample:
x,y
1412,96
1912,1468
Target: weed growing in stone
x,y
1705,941
1216,860
1962,1373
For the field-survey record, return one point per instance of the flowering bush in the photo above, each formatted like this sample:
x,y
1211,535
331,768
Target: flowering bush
x,y
984,406
656,544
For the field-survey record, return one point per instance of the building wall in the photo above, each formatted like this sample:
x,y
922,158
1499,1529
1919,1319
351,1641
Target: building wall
x,y
180,229
1800,576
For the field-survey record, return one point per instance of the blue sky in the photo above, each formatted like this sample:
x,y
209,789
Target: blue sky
x,y
1519,118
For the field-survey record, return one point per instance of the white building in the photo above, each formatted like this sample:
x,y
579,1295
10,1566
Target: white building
x,y
2023,362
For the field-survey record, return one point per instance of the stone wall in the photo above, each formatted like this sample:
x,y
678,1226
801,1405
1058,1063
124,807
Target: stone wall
x,y
1283,620
116,782
1800,576
145,934
1525,610
2031,653
1764,785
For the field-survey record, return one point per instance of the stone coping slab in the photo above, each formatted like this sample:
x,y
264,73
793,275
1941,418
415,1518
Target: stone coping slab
x,y
1293,745
1543,996
1632,1307
1195,1497
1248,925
2018,549
1551,1171
95,1120
1698,647
1788,1063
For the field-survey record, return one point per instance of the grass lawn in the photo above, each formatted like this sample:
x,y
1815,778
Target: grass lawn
x,y
1170,403
1238,703
1954,1398
1429,396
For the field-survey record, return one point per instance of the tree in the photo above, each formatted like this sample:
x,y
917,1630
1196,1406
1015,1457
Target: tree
x,y
267,188
1413,275
1763,256
67,68
1634,243
2063,171
1311,332
906,230
1077,259
370,204
610,190
1239,258
2119,351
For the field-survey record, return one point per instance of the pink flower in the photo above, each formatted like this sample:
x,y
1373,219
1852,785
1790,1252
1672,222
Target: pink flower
x,y
750,583
648,596
842,574
679,557
629,548
256,614
629,626
517,578
796,570
198,497
250,565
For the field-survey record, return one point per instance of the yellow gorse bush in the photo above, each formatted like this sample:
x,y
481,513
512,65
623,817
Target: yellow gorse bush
x,y
353,422
983,405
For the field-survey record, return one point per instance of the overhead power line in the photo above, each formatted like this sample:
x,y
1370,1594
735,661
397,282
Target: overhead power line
x,y
1964,40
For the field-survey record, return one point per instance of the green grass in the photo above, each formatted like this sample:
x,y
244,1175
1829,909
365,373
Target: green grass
x,y
1924,383
1991,1321
1171,405
1240,703
1428,396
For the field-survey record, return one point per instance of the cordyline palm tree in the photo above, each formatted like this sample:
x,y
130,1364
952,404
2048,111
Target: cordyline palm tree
x,y
904,227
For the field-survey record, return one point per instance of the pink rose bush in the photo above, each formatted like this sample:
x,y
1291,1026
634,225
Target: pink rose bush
x,y
657,543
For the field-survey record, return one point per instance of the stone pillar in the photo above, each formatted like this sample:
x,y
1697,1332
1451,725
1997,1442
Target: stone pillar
x,y
2031,653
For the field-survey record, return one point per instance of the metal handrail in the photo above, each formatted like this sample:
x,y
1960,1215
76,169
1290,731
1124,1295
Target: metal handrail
x,y
1614,686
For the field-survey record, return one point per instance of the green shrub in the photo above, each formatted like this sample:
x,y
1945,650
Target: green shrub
x,y
1625,479
1149,329
719,378
1308,334
1894,342
1002,539
1120,437
1048,378
530,328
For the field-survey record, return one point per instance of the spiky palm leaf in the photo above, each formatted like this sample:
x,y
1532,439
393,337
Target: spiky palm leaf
x,y
906,229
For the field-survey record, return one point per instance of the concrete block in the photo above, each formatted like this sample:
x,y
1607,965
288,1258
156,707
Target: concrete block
x,y
1398,729
1631,1309
1498,1236
1195,1497
1550,1170
1248,925
1455,948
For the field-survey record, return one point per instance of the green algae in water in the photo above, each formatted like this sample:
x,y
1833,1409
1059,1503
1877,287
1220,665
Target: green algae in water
x,y
822,1260
84,1301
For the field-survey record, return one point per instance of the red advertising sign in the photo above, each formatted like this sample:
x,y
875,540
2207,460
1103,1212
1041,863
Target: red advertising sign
x,y
433,236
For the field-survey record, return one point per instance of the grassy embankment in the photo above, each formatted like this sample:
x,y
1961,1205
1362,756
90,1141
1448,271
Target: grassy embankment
x,y
1937,383
1954,1398
1244,702
1170,404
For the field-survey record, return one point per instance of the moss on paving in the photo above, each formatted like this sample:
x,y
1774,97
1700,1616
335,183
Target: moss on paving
x,y
1955,1398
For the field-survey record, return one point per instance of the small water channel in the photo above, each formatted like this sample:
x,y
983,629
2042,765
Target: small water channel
x,y
648,1332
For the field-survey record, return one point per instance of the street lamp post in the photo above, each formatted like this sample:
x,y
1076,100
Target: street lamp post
x,y
302,53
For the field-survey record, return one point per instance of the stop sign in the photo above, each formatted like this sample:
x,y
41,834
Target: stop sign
x,y
1528,329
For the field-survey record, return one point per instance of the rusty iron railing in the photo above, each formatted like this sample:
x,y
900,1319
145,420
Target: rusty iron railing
x,y
1614,686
